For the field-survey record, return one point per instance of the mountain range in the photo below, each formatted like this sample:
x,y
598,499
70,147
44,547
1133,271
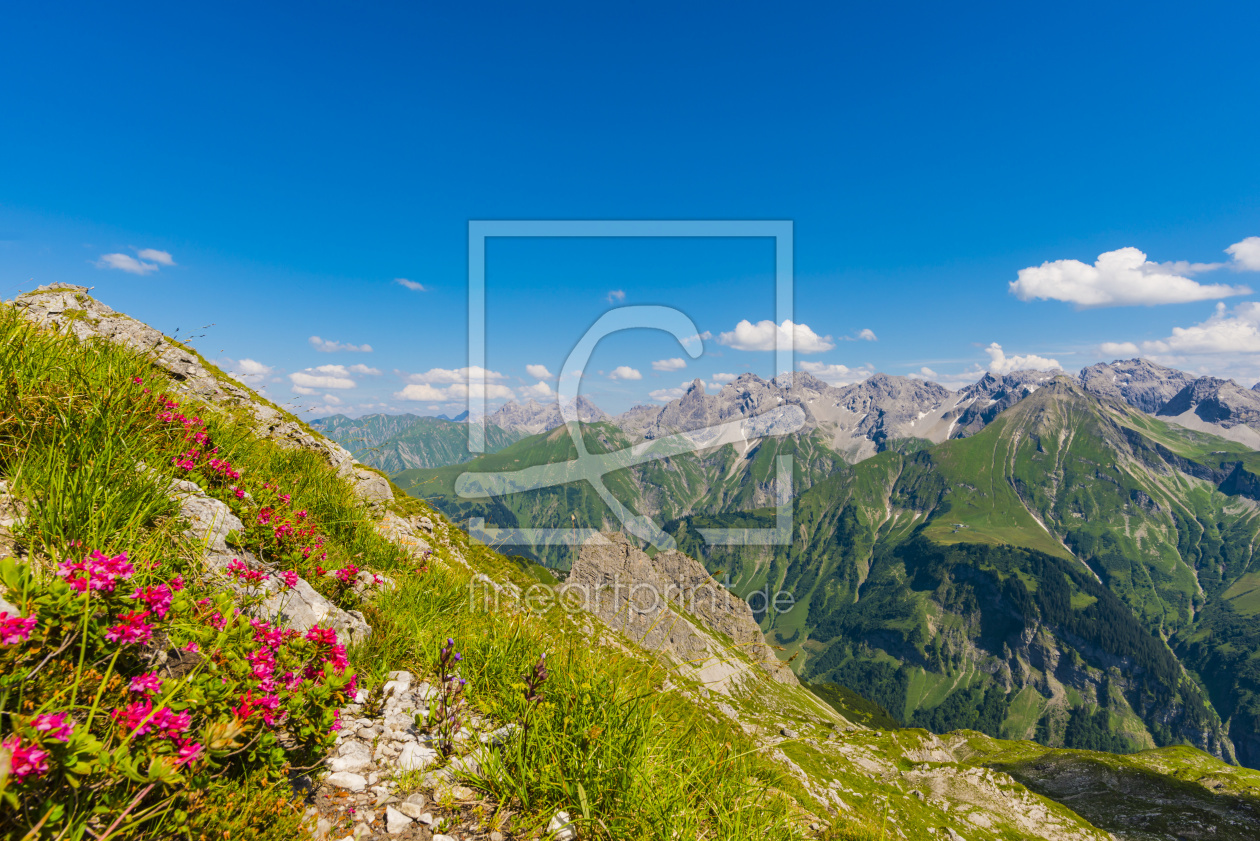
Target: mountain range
x,y
395,443
856,420
1036,556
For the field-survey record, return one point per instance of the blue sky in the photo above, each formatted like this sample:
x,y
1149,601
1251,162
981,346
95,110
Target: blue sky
x,y
281,167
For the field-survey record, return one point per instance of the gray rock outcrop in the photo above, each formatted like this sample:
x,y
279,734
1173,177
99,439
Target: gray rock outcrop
x,y
671,604
1143,385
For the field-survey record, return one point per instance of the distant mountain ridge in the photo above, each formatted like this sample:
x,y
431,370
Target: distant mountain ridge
x,y
1053,576
395,443
533,417
856,421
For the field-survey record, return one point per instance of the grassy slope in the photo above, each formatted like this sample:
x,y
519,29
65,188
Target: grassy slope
x,y
70,450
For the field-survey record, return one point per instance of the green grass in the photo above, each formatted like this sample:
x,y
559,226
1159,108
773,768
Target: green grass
x,y
626,756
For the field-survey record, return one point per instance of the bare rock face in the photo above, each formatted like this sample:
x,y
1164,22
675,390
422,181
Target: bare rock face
x,y
69,307
534,417
1221,402
992,395
1143,385
671,604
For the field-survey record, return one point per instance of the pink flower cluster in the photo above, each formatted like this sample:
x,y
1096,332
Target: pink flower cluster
x,y
262,662
56,726
132,630
25,760
15,629
347,573
297,531
328,650
96,572
197,436
223,467
241,572
29,759
142,718
146,684
156,598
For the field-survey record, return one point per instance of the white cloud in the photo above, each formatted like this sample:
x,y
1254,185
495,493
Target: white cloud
x,y
864,335
616,296
625,372
664,395
541,391
325,376
1246,254
365,370
125,263
162,258
301,389
455,392
725,378
247,371
698,337
329,346
926,373
1000,363
410,284
835,374
763,335
675,364
539,372
1120,278
1116,349
1226,331
453,375
332,399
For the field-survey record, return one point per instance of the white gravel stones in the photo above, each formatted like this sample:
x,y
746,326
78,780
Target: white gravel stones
x,y
416,757
347,780
395,821
560,828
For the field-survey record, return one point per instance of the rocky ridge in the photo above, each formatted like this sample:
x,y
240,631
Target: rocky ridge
x,y
670,604
534,417
69,307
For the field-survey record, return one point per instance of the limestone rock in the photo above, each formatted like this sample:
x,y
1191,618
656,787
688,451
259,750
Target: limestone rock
x,y
629,592
347,780
395,821
561,827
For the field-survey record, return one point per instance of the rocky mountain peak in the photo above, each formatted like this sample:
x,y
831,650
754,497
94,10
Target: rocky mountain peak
x,y
1222,403
534,417
1140,383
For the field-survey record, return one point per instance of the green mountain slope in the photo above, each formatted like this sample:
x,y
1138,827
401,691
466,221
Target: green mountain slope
x,y
395,443
1076,572
719,479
